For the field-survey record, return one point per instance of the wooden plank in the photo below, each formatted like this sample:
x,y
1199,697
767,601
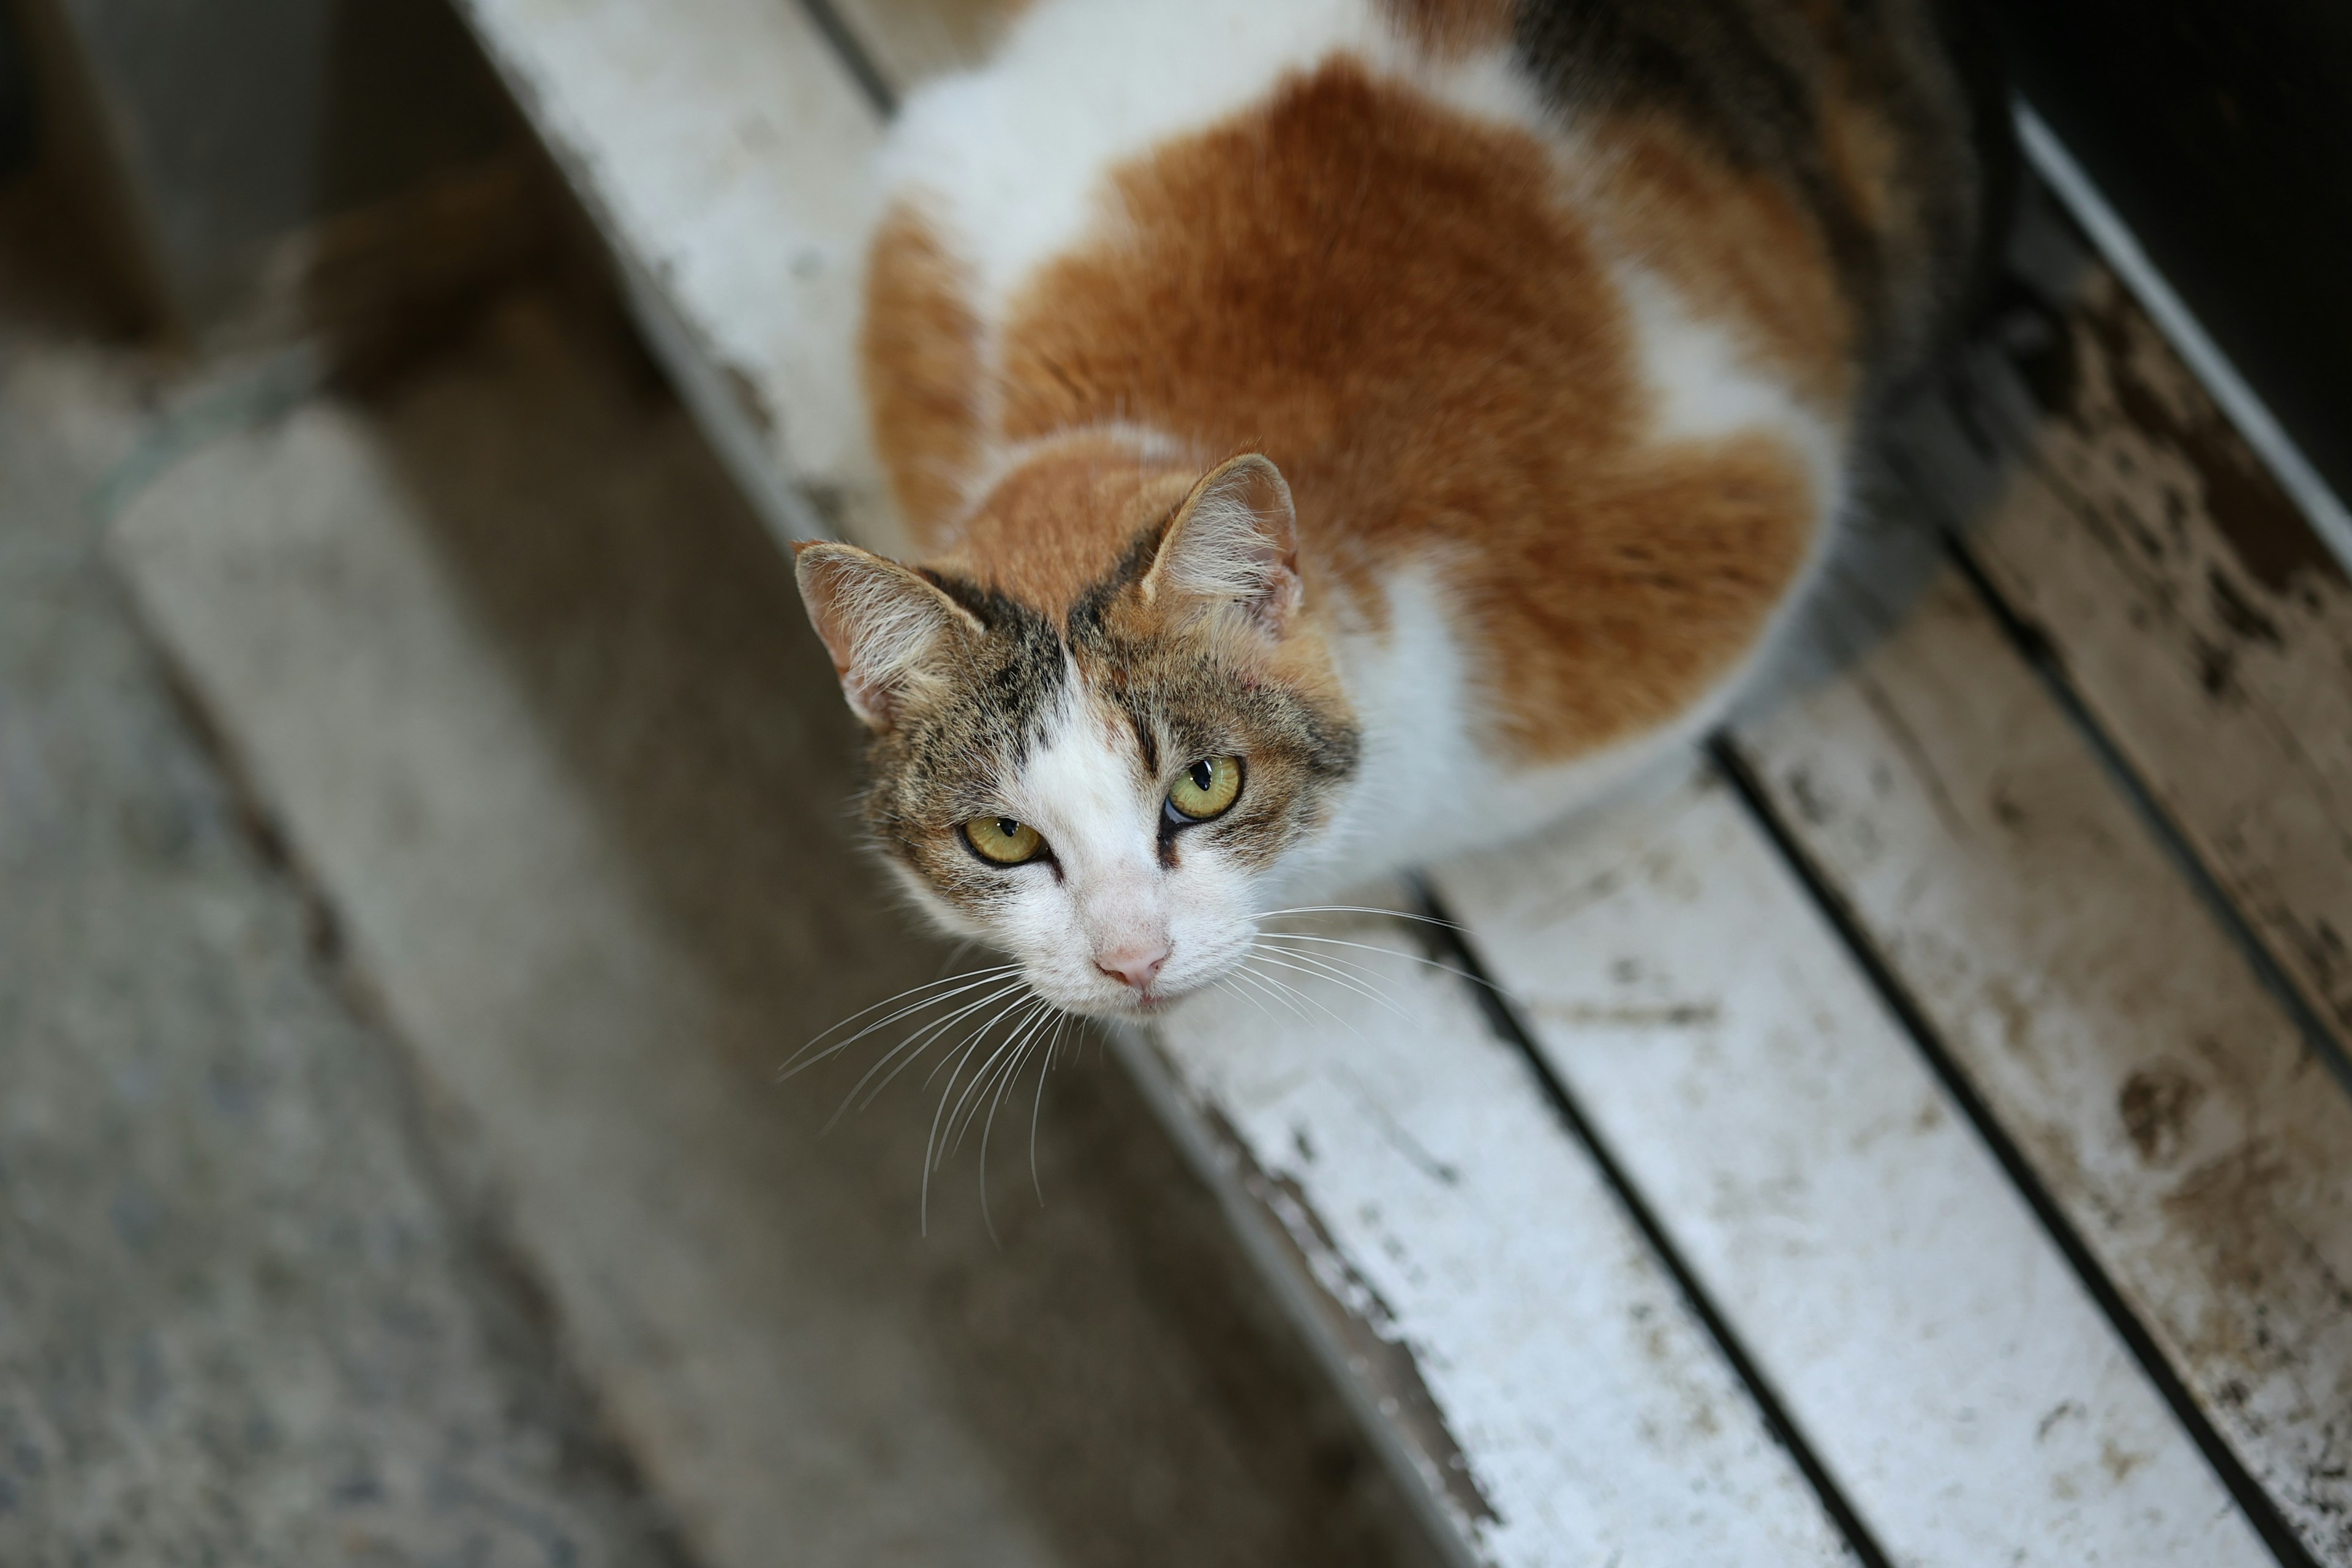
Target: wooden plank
x,y
1497,1308
2169,1105
2200,617
1968,1395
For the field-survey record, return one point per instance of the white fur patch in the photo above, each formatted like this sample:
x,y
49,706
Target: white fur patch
x,y
1013,159
1085,789
1704,387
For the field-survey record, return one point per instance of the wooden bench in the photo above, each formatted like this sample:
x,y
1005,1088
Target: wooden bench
x,y
1919,1135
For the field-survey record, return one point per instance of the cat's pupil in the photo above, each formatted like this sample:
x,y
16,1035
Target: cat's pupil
x,y
1202,775
1006,827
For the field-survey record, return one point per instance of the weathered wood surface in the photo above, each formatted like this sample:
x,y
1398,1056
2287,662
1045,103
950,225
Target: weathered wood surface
x,y
1489,1296
2166,1101
1971,1399
2200,617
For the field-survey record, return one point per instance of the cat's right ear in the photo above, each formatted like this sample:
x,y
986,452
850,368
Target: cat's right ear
x,y
1233,547
884,626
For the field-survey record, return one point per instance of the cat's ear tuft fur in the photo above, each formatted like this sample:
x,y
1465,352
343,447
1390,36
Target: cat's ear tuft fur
x,y
1234,544
883,625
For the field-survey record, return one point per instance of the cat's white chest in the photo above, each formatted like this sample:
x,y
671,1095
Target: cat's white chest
x,y
1430,785
1428,788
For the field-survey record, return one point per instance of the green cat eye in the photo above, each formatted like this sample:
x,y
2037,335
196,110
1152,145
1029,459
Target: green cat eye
x,y
1002,840
1206,789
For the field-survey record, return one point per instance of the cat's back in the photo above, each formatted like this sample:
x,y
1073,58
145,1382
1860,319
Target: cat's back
x,y
1798,172
1580,298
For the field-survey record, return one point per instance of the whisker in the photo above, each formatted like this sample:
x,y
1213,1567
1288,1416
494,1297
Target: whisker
x,y
1004,1081
1226,982
1037,1107
979,1078
1369,973
1243,972
1292,996
1009,1009
1340,968
954,979
1389,953
1360,910
1313,1000
1334,977
976,978
1017,1044
930,1139
1363,983
920,1040
1355,964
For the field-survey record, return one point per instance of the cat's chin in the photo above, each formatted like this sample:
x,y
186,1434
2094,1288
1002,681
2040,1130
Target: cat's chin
x,y
1135,1009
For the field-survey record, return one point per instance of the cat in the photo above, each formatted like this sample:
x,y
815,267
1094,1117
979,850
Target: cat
x,y
1341,433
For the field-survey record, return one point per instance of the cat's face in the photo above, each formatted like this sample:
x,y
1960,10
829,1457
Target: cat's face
x,y
1107,790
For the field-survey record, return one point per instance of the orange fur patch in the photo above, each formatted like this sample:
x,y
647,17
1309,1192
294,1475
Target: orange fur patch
x,y
1395,304
919,348
1735,243
1060,522
1451,29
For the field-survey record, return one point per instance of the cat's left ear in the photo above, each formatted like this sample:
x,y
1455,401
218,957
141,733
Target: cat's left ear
x,y
887,627
1234,546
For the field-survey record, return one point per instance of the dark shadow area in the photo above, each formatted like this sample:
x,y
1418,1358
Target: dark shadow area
x,y
2220,133
245,1316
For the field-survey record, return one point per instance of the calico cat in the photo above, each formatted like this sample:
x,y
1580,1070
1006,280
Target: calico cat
x,y
1342,432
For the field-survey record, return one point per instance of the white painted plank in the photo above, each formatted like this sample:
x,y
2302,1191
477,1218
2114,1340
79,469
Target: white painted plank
x,y
2167,1103
1947,1364
1428,1187
2200,617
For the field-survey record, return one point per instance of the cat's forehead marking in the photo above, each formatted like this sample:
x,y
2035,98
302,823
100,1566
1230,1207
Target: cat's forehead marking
x,y
1081,781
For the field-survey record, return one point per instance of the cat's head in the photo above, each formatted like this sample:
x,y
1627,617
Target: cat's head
x,y
1107,779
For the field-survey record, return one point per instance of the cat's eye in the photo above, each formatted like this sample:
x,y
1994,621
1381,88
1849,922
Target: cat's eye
x,y
1002,840
1206,789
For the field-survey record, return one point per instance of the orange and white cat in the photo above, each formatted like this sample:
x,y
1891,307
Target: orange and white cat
x,y
1343,432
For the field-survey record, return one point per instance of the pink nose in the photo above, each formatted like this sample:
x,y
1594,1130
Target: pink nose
x,y
1136,966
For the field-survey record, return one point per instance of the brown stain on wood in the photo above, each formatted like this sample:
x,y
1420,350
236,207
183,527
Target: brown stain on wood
x,y
2220,573
2156,1104
2266,529
2267,534
1666,1016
